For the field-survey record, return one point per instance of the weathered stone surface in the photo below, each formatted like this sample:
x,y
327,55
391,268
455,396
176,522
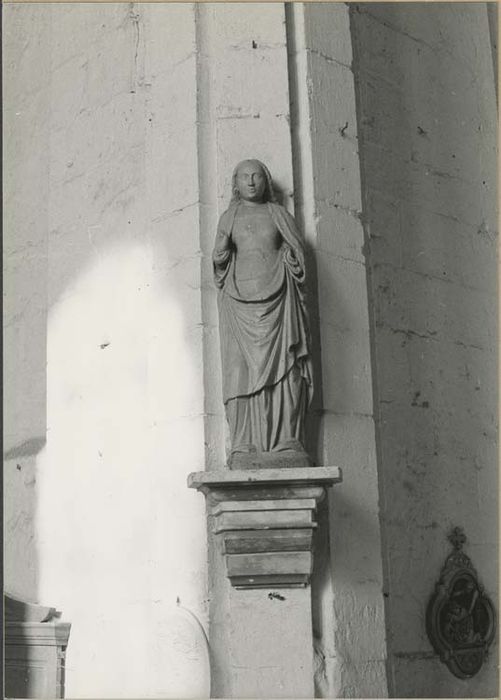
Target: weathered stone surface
x,y
259,270
34,652
263,521
427,113
347,593
314,476
258,521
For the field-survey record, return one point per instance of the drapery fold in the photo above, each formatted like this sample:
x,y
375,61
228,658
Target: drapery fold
x,y
264,335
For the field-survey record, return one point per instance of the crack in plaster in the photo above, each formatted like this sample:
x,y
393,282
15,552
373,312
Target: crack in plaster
x,y
329,59
427,275
174,212
397,30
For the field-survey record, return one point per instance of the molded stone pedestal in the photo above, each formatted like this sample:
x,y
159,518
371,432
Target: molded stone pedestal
x,y
262,526
35,650
266,520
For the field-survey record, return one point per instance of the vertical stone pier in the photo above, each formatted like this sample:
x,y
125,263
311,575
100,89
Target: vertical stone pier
x,y
276,84
262,526
260,626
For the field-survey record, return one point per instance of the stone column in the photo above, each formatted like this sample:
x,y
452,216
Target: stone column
x,y
348,600
261,643
262,522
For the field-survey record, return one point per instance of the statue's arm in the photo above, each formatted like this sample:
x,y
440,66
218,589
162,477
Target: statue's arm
x,y
293,244
223,249
222,245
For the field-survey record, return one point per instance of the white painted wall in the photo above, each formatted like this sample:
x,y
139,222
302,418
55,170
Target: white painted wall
x,y
121,540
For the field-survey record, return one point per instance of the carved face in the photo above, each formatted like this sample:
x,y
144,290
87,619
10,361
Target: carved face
x,y
251,181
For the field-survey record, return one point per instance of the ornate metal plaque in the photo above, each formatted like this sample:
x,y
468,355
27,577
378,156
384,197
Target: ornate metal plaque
x,y
460,618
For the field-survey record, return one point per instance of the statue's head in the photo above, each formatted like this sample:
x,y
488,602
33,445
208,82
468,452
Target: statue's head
x,y
251,181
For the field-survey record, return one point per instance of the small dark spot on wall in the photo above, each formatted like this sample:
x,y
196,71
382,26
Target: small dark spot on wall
x,y
275,596
103,345
421,131
423,404
343,129
386,595
254,45
18,467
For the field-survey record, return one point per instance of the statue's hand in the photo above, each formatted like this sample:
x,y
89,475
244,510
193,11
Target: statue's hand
x,y
292,261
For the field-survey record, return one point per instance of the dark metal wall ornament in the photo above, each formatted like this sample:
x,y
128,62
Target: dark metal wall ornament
x,y
460,618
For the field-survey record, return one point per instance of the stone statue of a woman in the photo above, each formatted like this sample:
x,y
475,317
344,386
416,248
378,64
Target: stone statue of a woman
x,y
259,271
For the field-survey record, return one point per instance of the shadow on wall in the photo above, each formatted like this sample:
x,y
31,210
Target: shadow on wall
x,y
21,569
315,412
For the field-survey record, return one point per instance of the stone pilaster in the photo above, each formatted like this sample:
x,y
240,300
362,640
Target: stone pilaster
x,y
262,524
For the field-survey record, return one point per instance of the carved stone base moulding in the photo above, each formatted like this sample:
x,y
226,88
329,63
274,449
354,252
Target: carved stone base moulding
x,y
265,521
460,618
35,649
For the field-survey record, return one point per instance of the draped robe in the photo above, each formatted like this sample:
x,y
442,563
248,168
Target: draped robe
x,y
266,363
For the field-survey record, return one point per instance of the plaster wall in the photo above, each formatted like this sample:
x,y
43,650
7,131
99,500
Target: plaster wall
x,y
427,120
25,147
347,588
121,540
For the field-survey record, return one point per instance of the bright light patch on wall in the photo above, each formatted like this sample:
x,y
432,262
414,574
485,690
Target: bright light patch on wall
x,y
121,536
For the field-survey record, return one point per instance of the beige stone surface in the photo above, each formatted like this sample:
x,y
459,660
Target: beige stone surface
x,y
347,595
116,169
428,115
111,195
26,106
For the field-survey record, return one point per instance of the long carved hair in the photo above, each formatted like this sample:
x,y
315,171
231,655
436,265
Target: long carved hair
x,y
269,193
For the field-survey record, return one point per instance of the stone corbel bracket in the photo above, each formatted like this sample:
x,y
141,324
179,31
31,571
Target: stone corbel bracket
x,y
266,521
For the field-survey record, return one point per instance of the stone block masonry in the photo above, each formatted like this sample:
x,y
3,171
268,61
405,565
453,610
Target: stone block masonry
x,y
427,136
